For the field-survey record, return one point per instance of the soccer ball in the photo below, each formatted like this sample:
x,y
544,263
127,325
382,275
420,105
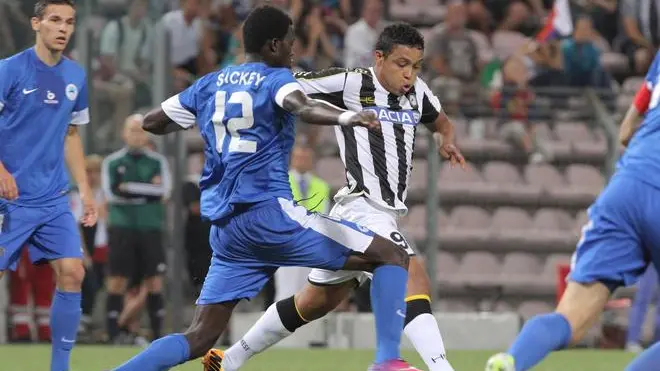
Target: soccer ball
x,y
501,362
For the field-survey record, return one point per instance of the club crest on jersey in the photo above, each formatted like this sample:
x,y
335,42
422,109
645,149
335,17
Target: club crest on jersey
x,y
71,92
406,117
51,98
412,100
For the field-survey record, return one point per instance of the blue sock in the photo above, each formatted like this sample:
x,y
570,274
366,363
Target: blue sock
x,y
161,355
540,336
388,291
648,360
64,320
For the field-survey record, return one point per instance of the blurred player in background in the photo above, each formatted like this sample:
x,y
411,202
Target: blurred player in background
x,y
647,293
618,243
31,292
136,180
43,100
198,249
378,166
246,117
94,240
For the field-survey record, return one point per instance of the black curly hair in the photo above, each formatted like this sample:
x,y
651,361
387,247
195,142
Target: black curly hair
x,y
399,34
263,24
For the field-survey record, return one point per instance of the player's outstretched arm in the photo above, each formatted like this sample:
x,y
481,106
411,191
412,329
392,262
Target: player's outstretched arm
x,y
644,100
157,122
445,138
318,112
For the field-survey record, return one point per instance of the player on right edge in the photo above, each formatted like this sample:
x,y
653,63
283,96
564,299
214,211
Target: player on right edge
x,y
618,242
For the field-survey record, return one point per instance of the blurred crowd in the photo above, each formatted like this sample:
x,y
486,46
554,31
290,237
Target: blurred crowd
x,y
478,51
481,51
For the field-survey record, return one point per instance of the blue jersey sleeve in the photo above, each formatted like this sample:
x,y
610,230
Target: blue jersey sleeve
x,y
182,108
282,83
7,82
80,114
652,74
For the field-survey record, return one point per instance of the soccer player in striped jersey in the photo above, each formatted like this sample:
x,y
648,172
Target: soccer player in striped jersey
x,y
378,166
43,101
617,244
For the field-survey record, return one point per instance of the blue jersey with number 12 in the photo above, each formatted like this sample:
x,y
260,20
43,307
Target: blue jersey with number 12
x,y
642,157
248,135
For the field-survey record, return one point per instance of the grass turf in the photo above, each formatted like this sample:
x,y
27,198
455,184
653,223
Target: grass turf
x,y
100,358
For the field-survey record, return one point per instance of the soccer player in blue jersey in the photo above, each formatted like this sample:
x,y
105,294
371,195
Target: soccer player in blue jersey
x,y
618,242
246,116
43,100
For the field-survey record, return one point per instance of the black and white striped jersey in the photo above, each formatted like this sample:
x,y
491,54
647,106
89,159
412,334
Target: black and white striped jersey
x,y
378,163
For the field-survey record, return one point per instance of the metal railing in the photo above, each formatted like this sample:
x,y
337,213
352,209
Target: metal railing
x,y
432,244
604,118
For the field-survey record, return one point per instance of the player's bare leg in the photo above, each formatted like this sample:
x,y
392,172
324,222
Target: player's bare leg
x,y
577,311
581,305
65,311
315,301
209,322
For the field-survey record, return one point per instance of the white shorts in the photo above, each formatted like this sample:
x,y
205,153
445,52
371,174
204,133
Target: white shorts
x,y
364,212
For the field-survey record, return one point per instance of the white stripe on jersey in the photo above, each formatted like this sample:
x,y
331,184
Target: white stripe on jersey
x,y
284,91
409,138
378,163
332,228
177,113
79,117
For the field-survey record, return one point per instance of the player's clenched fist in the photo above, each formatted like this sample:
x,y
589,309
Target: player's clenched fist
x,y
366,119
8,188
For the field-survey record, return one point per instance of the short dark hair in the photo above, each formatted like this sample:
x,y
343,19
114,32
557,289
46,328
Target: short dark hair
x,y
263,24
41,5
399,34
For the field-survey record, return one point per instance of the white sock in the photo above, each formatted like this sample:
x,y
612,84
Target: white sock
x,y
424,334
266,332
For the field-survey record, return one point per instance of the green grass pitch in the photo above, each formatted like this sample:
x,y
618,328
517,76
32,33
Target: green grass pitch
x,y
100,358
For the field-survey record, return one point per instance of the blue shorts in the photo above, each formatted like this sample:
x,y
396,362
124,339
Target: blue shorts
x,y
49,232
249,246
622,235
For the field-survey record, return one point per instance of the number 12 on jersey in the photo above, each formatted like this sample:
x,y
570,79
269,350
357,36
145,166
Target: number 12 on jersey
x,y
233,124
